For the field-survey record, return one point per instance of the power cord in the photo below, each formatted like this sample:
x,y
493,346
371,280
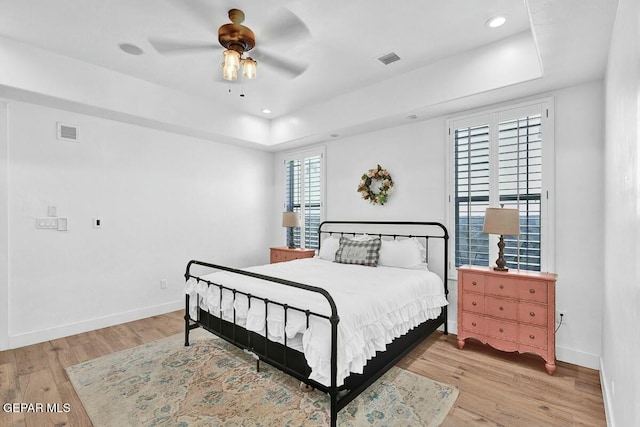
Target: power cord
x,y
559,324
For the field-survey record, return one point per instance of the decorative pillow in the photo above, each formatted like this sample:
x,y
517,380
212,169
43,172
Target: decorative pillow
x,y
360,252
328,248
405,253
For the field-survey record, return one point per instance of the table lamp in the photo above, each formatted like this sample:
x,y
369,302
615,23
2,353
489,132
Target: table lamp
x,y
290,220
504,222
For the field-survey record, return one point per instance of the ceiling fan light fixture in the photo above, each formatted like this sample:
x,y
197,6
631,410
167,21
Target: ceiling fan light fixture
x,y
249,68
231,59
229,73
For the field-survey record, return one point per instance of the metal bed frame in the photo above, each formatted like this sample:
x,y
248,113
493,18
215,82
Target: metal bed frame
x,y
292,361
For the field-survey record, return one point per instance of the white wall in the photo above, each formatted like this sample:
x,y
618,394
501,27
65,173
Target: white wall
x,y
415,155
620,370
4,228
163,198
579,199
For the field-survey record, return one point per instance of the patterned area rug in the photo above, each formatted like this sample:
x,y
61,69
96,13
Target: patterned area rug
x,y
213,383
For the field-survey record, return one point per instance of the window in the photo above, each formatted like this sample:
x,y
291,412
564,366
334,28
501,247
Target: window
x,y
503,158
304,194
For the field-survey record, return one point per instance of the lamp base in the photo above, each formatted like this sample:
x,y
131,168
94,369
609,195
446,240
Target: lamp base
x,y
290,241
501,264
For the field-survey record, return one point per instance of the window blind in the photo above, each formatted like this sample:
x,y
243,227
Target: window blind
x,y
471,194
303,194
520,187
498,161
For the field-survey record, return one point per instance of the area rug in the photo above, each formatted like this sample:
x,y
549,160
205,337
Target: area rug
x,y
212,383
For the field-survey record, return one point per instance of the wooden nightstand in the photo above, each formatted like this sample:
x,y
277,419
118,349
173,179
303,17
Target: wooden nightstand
x,y
510,311
283,253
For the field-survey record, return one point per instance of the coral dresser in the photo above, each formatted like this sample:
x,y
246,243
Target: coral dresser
x,y
511,311
283,253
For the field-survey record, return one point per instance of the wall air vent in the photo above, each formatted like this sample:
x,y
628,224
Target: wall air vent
x,y
67,132
388,58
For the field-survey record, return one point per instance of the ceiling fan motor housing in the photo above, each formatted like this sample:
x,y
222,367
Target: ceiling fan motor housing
x,y
236,36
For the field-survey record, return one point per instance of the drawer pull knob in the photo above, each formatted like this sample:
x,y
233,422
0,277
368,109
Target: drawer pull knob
x,y
473,323
532,291
501,330
474,283
533,337
501,308
473,303
501,286
532,314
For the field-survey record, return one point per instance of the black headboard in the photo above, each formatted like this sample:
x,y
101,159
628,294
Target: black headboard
x,y
428,232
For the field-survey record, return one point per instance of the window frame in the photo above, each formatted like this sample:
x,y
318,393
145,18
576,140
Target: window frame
x,y
493,116
301,155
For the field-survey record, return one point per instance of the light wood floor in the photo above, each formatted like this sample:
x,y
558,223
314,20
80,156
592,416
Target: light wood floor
x,y
496,389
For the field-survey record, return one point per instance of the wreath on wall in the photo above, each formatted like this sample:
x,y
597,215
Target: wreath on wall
x,y
376,185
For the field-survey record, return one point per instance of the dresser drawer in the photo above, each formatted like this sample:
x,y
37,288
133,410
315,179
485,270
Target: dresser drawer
x,y
473,282
535,291
532,336
473,323
473,302
503,330
501,308
502,286
532,313
280,256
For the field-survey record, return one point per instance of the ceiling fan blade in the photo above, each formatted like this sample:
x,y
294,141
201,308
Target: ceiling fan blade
x,y
172,47
285,26
290,68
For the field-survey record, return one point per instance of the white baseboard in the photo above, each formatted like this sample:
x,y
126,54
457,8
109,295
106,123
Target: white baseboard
x,y
43,335
576,357
452,325
607,396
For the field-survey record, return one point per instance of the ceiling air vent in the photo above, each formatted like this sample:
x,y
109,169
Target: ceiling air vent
x,y
388,58
67,132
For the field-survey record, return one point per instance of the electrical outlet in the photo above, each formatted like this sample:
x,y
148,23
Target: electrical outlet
x,y
163,284
561,316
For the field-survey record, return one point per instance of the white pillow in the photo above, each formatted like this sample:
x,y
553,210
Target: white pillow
x,y
404,253
329,247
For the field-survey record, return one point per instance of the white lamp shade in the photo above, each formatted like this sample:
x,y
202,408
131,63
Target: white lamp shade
x,y
231,58
249,68
290,219
230,65
502,221
230,73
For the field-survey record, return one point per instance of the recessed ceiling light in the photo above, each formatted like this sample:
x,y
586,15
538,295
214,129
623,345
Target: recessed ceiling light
x,y
266,111
334,135
496,21
412,117
131,49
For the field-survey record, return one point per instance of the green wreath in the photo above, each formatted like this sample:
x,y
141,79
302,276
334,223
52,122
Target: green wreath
x,y
385,186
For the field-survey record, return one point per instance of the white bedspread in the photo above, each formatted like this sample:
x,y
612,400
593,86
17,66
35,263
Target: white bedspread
x,y
375,306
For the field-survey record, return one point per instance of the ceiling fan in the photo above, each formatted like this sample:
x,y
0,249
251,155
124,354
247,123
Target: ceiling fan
x,y
238,39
